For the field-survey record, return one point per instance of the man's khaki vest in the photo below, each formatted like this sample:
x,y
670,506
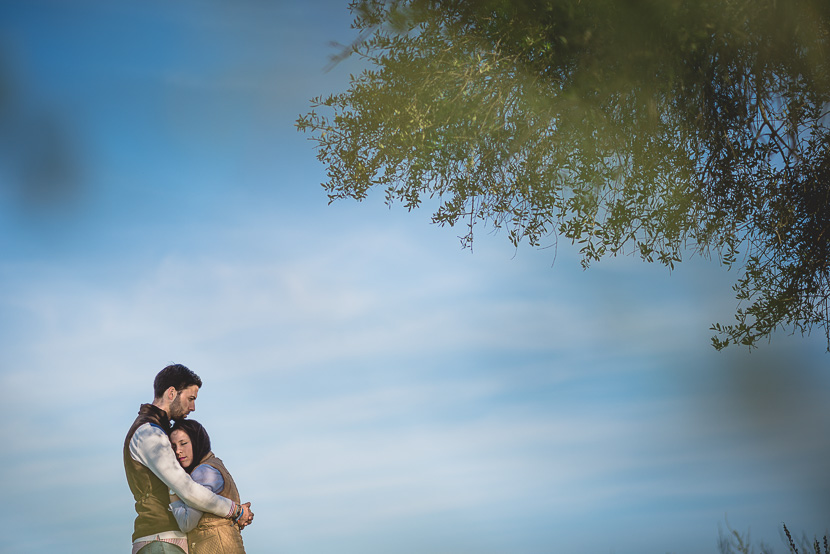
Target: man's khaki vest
x,y
150,493
214,534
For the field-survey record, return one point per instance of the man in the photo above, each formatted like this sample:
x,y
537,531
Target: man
x,y
153,471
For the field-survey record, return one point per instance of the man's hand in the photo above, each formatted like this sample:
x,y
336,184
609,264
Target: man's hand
x,y
247,516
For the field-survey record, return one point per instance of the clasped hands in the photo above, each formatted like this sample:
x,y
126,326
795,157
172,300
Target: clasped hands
x,y
247,516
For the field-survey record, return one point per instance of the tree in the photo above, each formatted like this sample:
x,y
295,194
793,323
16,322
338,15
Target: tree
x,y
647,127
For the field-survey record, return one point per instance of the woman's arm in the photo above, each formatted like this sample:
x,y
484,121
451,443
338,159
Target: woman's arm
x,y
186,516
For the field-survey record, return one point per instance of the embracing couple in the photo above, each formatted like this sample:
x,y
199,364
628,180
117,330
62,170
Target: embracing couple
x,y
185,498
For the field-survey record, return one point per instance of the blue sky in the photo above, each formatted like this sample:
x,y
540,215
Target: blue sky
x,y
372,387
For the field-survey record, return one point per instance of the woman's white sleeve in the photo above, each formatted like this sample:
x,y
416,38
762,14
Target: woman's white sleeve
x,y
186,516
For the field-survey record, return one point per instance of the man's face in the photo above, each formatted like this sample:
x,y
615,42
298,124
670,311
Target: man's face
x,y
184,403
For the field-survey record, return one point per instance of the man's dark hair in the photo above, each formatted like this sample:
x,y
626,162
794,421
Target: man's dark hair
x,y
175,375
199,439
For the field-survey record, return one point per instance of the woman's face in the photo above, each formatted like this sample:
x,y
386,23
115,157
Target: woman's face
x,y
182,447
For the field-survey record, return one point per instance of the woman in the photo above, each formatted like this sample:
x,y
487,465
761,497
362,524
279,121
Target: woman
x,y
206,533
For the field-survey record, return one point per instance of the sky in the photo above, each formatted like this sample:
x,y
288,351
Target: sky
x,y
372,386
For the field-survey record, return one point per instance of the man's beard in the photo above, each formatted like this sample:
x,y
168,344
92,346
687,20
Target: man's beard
x,y
177,411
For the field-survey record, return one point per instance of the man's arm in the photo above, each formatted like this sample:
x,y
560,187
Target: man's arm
x,y
150,446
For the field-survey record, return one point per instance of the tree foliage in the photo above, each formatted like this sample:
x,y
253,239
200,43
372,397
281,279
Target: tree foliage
x,y
659,128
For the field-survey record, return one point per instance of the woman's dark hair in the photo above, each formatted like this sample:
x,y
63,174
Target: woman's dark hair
x,y
198,438
177,376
